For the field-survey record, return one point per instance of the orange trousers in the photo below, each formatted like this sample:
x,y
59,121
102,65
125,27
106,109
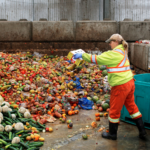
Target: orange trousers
x,y
123,95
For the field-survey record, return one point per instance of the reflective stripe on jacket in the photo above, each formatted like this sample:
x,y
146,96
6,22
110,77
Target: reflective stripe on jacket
x,y
121,67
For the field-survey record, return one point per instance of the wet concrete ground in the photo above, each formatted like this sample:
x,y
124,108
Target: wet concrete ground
x,y
63,138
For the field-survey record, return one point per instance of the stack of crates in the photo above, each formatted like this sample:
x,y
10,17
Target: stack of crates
x,y
142,99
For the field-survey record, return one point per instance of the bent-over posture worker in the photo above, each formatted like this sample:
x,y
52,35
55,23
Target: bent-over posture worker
x,y
121,79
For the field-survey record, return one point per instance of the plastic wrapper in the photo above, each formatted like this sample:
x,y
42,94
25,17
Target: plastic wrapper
x,y
27,88
11,68
37,54
48,98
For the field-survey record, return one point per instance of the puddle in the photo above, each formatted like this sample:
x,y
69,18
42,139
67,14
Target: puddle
x,y
70,138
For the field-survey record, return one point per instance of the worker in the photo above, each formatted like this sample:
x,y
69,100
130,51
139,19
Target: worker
x,y
121,80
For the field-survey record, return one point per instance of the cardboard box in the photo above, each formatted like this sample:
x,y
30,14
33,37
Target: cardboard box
x,y
79,61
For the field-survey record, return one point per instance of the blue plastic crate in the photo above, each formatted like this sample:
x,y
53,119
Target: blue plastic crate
x,y
142,99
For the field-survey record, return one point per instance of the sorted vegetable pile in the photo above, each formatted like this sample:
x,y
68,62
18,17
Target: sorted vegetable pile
x,y
17,129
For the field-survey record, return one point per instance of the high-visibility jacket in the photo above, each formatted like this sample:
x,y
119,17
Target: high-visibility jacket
x,y
117,63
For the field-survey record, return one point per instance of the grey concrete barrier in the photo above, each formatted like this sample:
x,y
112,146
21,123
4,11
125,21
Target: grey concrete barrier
x,y
52,31
15,31
134,31
140,55
95,30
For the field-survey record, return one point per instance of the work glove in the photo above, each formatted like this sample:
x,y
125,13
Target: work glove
x,y
78,55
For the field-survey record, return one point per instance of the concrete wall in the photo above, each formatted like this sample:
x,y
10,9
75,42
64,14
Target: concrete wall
x,y
65,31
134,31
15,31
52,31
95,30
140,56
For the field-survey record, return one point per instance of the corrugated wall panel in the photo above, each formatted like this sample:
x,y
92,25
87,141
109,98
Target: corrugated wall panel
x,y
40,9
3,9
16,10
53,10
137,10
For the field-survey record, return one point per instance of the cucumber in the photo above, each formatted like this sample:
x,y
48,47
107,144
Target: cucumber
x,y
7,140
24,145
19,115
34,125
13,135
8,123
13,148
40,125
10,135
3,141
9,114
16,145
33,148
27,131
25,135
21,148
2,136
36,144
3,105
8,119
32,120
7,146
19,132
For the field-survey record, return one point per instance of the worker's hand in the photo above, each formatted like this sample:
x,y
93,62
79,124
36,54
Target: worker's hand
x,y
78,55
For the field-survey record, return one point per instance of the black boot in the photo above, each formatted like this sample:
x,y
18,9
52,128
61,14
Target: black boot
x,y
112,134
140,125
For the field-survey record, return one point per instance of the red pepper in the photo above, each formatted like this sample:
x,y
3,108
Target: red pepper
x,y
31,79
43,105
3,95
17,103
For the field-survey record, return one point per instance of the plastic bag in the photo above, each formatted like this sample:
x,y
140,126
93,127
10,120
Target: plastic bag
x,y
37,54
85,103
11,68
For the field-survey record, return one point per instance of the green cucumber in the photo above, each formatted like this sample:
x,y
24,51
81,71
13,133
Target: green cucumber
x,y
24,145
27,131
8,119
32,120
16,145
3,105
19,115
36,144
33,148
9,114
13,148
21,148
7,140
4,142
25,135
13,135
19,132
10,135
8,123
40,125
7,146
2,136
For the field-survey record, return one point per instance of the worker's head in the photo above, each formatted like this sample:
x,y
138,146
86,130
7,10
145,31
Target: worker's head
x,y
117,39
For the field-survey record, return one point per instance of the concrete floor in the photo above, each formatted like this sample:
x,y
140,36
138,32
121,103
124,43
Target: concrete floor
x,y
63,138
